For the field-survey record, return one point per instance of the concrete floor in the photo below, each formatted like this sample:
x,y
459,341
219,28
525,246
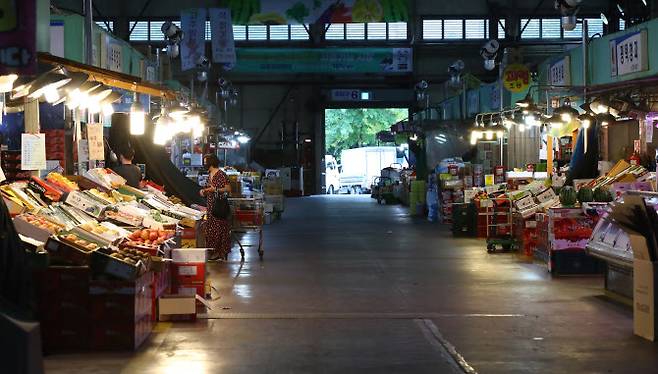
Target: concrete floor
x,y
350,286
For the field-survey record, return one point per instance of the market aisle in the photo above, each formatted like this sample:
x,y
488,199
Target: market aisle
x,y
347,285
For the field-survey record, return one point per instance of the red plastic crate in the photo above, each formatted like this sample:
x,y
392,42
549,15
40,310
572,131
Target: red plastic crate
x,y
252,217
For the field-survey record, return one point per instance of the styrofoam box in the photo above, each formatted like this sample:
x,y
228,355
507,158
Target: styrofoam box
x,y
192,255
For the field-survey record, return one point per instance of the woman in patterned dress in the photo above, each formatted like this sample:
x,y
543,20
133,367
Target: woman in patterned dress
x,y
218,231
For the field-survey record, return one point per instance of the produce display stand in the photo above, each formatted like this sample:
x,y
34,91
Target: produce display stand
x,y
562,235
498,213
247,217
102,256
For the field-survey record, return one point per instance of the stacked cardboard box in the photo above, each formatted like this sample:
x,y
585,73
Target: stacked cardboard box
x,y
56,146
122,313
63,308
189,271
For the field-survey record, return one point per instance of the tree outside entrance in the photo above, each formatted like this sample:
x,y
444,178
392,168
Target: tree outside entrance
x,y
354,128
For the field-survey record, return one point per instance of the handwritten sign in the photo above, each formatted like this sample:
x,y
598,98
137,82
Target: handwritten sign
x,y
95,141
516,78
33,151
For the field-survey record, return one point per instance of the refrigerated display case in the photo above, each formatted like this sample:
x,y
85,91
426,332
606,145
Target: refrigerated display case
x,y
610,243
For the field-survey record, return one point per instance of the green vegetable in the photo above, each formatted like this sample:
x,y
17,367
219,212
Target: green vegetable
x,y
568,196
585,195
298,12
603,195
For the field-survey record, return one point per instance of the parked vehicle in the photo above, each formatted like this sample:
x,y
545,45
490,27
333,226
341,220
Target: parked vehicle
x,y
360,167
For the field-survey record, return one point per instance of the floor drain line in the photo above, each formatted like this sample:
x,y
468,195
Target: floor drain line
x,y
436,339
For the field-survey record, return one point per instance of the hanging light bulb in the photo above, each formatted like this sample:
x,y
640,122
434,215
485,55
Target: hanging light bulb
x,y
243,139
521,127
566,117
531,120
137,118
74,99
7,82
489,134
47,81
197,130
107,109
160,134
51,95
93,106
191,122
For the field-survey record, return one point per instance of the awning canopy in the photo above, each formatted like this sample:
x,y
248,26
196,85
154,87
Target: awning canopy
x,y
109,77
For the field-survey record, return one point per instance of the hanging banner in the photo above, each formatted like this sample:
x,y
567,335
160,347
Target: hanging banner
x,y
326,60
18,37
33,151
193,45
516,78
223,44
283,12
95,141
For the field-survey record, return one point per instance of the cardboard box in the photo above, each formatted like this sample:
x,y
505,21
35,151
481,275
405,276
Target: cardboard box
x,y
189,255
644,300
177,307
189,272
190,289
644,287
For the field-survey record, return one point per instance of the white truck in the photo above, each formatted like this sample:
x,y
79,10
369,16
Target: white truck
x,y
360,167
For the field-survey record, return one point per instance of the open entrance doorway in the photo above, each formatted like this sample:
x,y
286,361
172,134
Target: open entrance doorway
x,y
354,156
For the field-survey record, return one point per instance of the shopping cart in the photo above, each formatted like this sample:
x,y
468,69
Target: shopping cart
x,y
498,213
247,218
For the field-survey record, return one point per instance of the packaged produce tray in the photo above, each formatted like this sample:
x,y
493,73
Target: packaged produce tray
x,y
63,250
118,265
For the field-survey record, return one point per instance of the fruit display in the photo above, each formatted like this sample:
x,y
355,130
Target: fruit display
x,y
41,223
101,230
62,182
105,177
78,242
131,256
585,195
126,214
103,196
568,196
151,237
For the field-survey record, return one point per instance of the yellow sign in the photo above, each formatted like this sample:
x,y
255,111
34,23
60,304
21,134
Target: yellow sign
x,y
516,78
